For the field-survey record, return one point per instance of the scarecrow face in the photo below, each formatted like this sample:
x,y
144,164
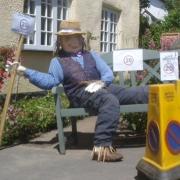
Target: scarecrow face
x,y
72,43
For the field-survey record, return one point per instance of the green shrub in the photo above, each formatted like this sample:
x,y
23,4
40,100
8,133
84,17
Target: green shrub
x,y
150,38
30,116
136,122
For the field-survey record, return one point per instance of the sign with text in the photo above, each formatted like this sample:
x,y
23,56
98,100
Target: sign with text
x,y
169,66
23,24
128,60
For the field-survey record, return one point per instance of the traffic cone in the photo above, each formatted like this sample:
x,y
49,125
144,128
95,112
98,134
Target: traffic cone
x,y
162,154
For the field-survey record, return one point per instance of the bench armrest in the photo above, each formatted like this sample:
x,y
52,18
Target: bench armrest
x,y
57,90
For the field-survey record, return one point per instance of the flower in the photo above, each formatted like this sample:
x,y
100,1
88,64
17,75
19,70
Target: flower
x,y
6,54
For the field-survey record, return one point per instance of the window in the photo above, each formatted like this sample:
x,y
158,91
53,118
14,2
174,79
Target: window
x,y
109,21
48,14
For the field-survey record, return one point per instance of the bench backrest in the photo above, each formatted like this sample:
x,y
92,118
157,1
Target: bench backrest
x,y
151,72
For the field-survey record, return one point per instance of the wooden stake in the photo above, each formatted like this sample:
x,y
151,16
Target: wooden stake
x,y
10,87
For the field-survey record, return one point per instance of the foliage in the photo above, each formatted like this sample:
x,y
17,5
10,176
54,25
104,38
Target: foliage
x,y
29,116
144,32
144,24
172,21
2,73
172,4
135,121
6,54
150,37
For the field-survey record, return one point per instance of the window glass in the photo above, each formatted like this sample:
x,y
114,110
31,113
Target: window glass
x,y
108,30
32,7
48,15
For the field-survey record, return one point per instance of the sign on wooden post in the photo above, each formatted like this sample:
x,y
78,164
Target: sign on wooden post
x,y
24,25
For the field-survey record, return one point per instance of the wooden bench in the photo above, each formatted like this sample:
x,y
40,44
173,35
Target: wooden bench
x,y
151,68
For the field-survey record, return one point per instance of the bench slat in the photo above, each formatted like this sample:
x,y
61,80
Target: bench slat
x,y
134,108
70,112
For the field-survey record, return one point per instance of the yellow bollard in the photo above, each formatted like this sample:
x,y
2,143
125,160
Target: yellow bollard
x,y
162,154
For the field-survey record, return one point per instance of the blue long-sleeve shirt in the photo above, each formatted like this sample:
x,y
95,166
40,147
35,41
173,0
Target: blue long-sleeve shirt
x,y
55,75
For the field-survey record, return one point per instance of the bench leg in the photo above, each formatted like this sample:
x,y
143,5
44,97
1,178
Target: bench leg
x,y
61,136
60,126
74,130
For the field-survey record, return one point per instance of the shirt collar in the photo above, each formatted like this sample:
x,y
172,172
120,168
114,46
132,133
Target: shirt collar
x,y
63,53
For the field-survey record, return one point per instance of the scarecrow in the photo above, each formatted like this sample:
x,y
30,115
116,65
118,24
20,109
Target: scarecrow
x,y
87,82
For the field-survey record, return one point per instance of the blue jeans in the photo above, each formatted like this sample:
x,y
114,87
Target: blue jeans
x,y
105,103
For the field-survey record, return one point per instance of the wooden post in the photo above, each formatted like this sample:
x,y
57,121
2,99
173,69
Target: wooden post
x,y
10,87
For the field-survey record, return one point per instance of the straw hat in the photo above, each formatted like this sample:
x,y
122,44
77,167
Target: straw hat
x,y
69,27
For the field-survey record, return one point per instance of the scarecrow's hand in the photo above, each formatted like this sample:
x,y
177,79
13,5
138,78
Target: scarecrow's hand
x,y
95,86
20,69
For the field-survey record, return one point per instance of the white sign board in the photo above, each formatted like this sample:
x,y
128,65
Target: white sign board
x,y
169,66
23,24
128,60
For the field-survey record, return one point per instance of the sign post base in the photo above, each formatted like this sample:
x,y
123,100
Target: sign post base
x,y
147,170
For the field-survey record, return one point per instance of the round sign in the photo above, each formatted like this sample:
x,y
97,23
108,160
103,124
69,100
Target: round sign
x,y
128,60
168,68
173,137
153,137
24,25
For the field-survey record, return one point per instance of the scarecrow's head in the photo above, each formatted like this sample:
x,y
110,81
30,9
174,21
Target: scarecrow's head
x,y
70,37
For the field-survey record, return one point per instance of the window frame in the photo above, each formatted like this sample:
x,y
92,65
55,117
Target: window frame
x,y
37,46
109,32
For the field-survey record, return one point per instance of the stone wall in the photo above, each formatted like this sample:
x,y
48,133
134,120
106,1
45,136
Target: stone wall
x,y
128,26
7,8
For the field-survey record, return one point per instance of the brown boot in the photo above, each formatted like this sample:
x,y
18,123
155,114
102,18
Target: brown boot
x,y
106,154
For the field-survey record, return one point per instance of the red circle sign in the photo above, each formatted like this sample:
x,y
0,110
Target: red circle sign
x,y
128,60
173,137
168,68
153,136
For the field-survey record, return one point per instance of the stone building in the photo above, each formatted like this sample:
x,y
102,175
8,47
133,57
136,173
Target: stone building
x,y
110,24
